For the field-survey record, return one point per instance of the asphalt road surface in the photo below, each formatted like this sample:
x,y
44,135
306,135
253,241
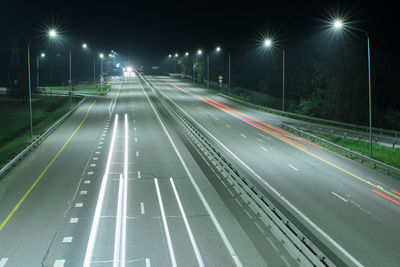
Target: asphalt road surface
x,y
350,208
116,186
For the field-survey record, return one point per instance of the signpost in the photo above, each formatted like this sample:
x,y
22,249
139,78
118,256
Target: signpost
x,y
220,78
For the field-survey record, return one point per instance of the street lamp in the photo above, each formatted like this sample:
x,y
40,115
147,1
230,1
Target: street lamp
x,y
338,25
84,45
175,59
42,55
52,34
101,56
268,43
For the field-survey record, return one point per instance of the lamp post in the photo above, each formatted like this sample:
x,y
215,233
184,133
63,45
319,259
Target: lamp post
x,y
51,34
338,25
175,59
269,43
101,56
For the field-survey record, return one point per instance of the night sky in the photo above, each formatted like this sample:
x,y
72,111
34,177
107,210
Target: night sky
x,y
147,31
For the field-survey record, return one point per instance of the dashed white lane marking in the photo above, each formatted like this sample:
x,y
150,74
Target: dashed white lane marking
x,y
139,175
67,239
99,147
57,263
272,244
260,134
165,224
244,136
227,125
3,262
293,167
259,140
90,173
263,148
92,165
135,139
134,129
284,260
134,121
78,205
345,200
95,158
137,153
83,192
73,220
97,152
142,211
148,264
86,182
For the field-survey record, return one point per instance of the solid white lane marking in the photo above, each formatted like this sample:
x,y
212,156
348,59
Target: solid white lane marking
x,y
57,263
345,200
100,200
83,192
73,220
199,193
67,239
148,264
294,208
117,240
187,225
244,136
294,168
125,198
263,148
165,224
86,182
3,262
139,175
142,208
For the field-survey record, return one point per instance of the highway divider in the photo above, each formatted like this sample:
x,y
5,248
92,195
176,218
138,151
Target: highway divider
x,y
354,155
297,244
40,139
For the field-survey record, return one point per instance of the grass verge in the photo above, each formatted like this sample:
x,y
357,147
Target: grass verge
x,y
15,135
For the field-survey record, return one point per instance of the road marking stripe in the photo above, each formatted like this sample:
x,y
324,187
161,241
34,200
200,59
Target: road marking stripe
x,y
93,165
137,153
135,139
165,224
187,225
83,192
244,136
263,148
57,263
117,240
142,211
73,220
67,239
3,262
87,182
100,200
78,205
45,170
227,125
139,175
345,200
293,167
394,191
148,264
90,173
125,198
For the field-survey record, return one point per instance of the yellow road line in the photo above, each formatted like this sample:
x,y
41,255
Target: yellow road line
x,y
335,166
44,171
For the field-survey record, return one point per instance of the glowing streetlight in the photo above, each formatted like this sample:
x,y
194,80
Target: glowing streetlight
x,y
268,42
101,55
52,33
42,55
338,24
84,45
218,49
187,54
169,55
176,55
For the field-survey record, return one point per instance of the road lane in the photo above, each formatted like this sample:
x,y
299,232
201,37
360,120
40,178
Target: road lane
x,y
310,187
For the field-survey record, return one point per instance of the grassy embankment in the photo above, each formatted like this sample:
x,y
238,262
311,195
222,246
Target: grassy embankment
x,y
87,90
14,121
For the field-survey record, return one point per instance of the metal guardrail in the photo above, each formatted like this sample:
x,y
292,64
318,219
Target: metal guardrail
x,y
392,133
376,163
39,140
297,244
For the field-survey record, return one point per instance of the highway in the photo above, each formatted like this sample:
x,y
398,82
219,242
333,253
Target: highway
x,y
117,185
346,207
